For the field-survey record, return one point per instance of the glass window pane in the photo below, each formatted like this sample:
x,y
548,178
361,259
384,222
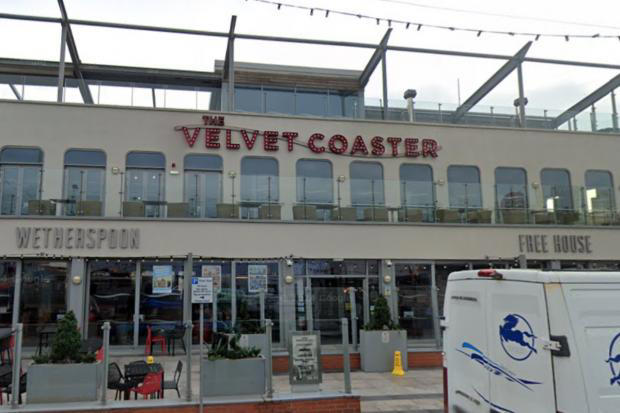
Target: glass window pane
x,y
42,296
7,290
30,186
280,101
417,185
146,160
85,157
10,175
203,162
135,181
511,188
314,181
599,191
557,191
112,292
203,191
415,311
311,103
336,105
248,100
21,155
366,183
464,187
259,179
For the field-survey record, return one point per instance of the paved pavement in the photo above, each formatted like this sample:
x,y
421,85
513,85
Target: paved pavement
x,y
419,391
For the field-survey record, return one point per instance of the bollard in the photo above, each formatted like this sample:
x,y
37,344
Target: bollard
x,y
106,360
17,365
269,361
188,346
346,360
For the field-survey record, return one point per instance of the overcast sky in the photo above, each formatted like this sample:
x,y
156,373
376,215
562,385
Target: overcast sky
x,y
435,77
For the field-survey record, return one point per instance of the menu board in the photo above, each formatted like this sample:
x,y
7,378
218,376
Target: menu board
x,y
305,358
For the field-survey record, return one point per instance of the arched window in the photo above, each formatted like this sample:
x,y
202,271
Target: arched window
x,y
21,171
84,182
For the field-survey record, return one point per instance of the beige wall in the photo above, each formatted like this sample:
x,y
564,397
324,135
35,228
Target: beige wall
x,y
56,128
243,239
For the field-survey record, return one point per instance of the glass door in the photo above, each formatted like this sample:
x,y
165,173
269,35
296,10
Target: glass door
x,y
82,184
331,301
415,300
203,191
20,185
251,280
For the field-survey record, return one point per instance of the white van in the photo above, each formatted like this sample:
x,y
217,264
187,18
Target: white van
x,y
528,341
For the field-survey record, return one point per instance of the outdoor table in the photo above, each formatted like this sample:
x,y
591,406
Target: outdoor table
x,y
136,372
44,336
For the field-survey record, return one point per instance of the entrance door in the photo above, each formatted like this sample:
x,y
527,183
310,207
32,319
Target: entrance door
x,y
331,302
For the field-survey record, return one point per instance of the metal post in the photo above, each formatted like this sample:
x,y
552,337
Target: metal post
x,y
366,297
353,317
614,111
384,78
136,305
309,314
17,366
435,307
17,291
410,108
268,356
200,343
575,124
188,271
593,119
188,346
106,360
61,64
214,312
521,96
261,303
346,360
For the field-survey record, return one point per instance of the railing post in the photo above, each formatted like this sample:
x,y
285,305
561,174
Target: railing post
x,y
188,346
268,362
346,360
353,317
261,304
106,360
17,365
309,314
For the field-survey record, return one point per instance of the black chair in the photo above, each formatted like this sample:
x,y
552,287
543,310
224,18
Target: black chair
x,y
23,380
174,384
116,381
178,333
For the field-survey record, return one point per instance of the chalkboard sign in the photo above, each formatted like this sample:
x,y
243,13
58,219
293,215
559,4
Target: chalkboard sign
x,y
305,358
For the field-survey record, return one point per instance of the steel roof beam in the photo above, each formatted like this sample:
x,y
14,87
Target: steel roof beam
x,y
16,92
75,57
374,60
490,84
586,102
304,41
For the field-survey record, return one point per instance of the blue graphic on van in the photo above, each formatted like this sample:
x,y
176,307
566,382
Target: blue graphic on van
x,y
614,360
517,337
496,369
493,405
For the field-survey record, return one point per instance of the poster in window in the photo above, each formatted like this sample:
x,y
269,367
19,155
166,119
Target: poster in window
x,y
215,272
257,278
162,279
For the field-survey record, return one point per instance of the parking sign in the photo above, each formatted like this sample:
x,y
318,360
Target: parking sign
x,y
202,290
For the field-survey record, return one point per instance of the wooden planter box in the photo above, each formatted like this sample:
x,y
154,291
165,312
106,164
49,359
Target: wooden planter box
x,y
377,349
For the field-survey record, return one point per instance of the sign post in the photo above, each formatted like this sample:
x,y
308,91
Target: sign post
x,y
202,292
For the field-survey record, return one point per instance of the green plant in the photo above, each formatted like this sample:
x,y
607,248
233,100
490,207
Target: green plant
x,y
66,345
245,325
227,347
381,319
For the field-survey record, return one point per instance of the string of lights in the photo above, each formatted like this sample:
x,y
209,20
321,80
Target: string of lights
x,y
418,25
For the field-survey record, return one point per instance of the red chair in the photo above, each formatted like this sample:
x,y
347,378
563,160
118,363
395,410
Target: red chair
x,y
151,339
152,385
99,354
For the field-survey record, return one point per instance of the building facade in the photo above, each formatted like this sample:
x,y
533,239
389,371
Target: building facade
x,y
301,220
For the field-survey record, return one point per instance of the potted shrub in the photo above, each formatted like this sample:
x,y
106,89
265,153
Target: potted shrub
x,y
252,333
65,374
380,338
232,370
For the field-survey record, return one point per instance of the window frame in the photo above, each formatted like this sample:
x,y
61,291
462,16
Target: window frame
x,y
381,204
525,185
297,176
477,168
